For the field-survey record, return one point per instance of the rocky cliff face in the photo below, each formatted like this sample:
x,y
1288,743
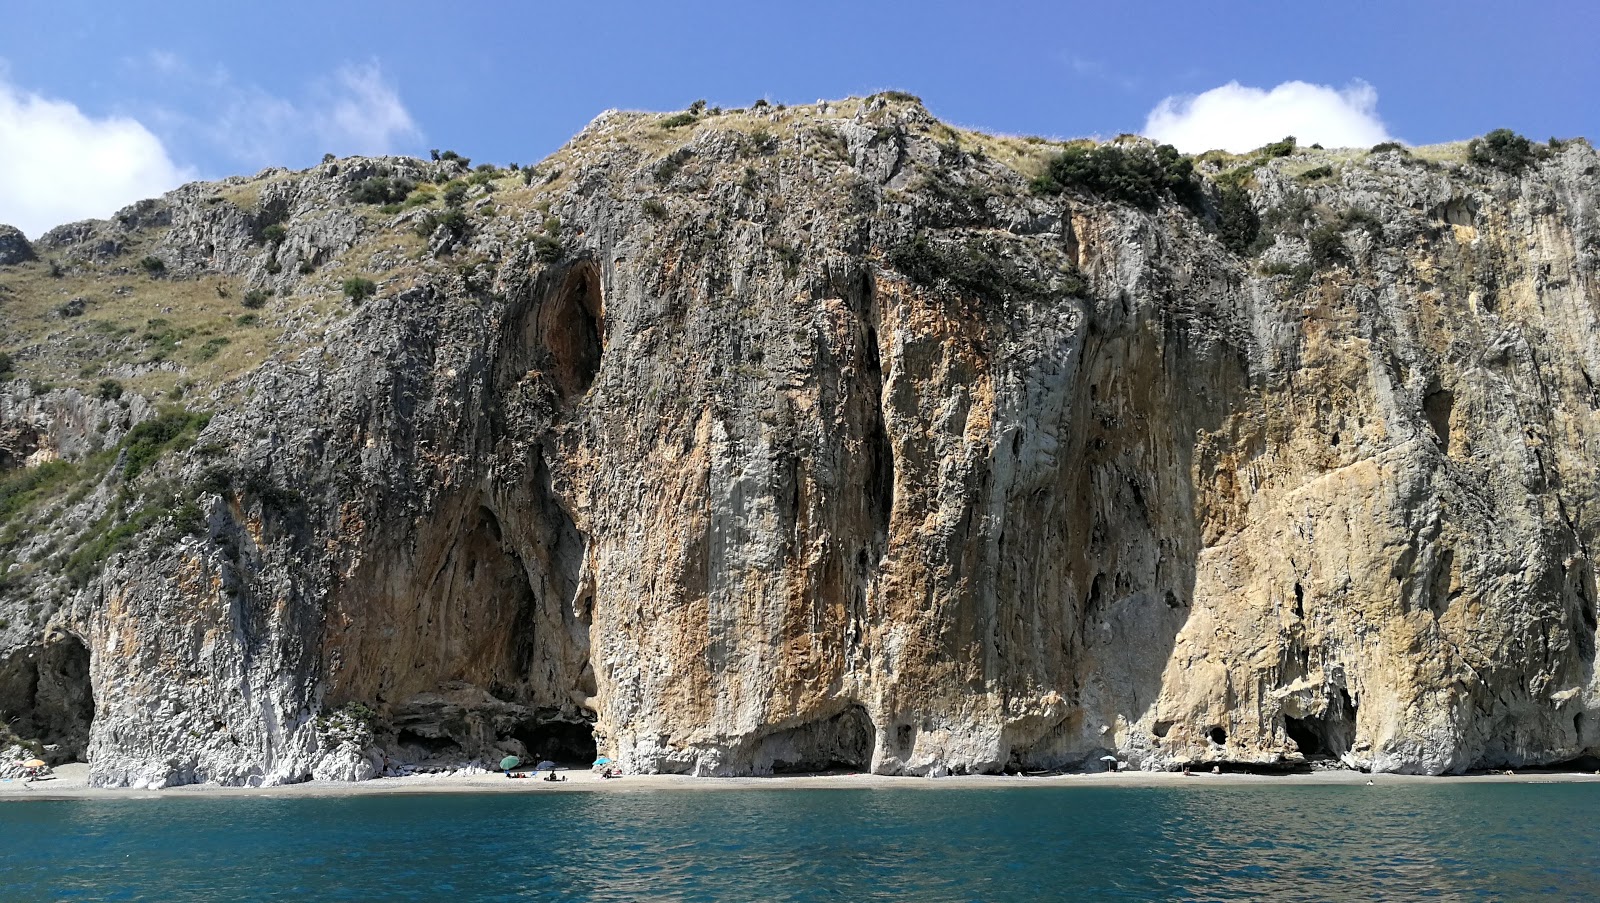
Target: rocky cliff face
x,y
792,439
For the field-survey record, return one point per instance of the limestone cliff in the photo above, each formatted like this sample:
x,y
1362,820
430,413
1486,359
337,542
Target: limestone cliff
x,y
830,436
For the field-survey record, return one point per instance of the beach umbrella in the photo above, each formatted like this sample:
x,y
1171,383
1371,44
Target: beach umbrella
x,y
603,760
509,762
545,764
33,763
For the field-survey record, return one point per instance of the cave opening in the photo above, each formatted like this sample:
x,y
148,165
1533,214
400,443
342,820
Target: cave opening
x,y
842,742
422,746
572,324
46,696
566,742
1306,734
1326,736
1217,735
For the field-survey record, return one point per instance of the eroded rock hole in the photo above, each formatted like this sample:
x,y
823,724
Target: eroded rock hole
x,y
880,464
1437,407
1217,735
572,324
843,742
1299,601
566,742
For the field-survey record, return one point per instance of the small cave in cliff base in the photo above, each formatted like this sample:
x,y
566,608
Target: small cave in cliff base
x,y
1326,736
572,324
567,742
45,696
843,742
1217,735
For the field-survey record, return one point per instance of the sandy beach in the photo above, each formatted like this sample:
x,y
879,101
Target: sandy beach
x,y
70,782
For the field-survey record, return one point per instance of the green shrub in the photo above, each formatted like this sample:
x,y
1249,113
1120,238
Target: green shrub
x,y
7,366
654,209
973,268
1361,218
359,288
275,234
1315,173
455,193
211,348
670,164
1139,176
1504,150
548,248
678,120
147,441
1326,243
382,190
1387,146
20,488
306,267
155,266
243,320
1238,224
1279,148
109,390
452,155
452,220
256,298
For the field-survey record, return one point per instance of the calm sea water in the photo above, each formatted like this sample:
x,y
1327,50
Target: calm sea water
x,y
1501,842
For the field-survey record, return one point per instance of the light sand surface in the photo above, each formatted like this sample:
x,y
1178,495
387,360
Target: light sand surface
x,y
71,782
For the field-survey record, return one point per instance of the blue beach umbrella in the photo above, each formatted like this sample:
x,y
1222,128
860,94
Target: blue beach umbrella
x,y
603,760
544,765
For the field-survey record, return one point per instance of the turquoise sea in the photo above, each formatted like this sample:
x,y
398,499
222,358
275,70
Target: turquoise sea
x,y
1405,842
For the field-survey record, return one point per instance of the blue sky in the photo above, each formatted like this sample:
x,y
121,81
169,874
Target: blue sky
x,y
102,103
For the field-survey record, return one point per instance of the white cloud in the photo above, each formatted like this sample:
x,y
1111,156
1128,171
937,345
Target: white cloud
x,y
1237,118
61,166
362,113
356,110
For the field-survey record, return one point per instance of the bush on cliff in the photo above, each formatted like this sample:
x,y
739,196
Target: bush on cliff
x,y
1238,224
1139,176
1504,150
359,288
381,190
973,268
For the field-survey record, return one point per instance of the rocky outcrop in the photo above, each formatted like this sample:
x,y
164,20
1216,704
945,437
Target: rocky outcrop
x,y
14,247
819,438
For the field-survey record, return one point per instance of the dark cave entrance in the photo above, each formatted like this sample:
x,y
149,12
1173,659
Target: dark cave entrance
x,y
1326,736
566,742
843,742
572,324
46,696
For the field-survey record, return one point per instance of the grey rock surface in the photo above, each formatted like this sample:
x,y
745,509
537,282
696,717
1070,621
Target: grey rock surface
x,y
14,246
